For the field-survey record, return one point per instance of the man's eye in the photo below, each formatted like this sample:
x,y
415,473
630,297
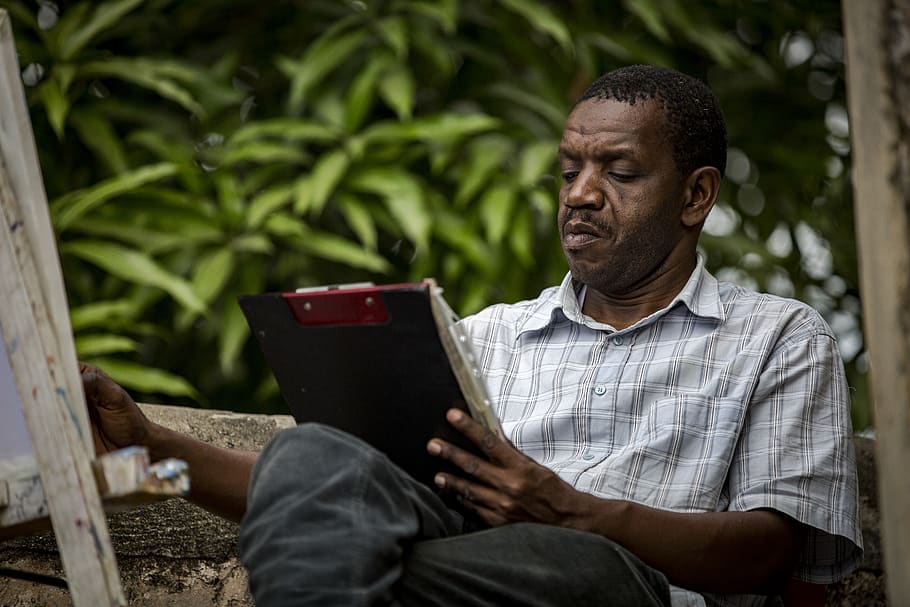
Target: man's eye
x,y
623,177
569,176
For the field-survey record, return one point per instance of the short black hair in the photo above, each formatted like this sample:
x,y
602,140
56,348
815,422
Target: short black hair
x,y
694,121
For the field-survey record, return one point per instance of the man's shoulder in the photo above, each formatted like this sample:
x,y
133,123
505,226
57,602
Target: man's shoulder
x,y
512,316
743,305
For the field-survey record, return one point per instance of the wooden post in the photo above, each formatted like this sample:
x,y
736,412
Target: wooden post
x,y
878,78
17,147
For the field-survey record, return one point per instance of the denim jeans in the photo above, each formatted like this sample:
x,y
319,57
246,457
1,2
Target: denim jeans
x,y
331,521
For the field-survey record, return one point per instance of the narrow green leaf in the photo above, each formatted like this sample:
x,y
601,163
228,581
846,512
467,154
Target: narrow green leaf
x,y
98,135
147,379
253,243
69,22
106,14
263,152
326,174
99,313
496,207
453,230
543,204
543,20
99,345
362,92
288,129
230,199
321,58
487,154
359,219
55,104
324,245
211,273
650,14
169,148
536,159
442,57
554,114
394,31
144,73
145,238
397,88
232,334
431,128
444,12
521,235
136,267
71,207
403,196
268,202
606,44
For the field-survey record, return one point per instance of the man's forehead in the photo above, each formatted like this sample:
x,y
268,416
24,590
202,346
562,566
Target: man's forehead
x,y
593,115
612,121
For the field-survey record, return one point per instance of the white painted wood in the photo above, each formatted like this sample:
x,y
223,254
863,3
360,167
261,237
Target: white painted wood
x,y
876,34
48,405
125,478
37,339
17,148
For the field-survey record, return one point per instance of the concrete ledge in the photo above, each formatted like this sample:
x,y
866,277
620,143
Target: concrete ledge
x,y
170,554
177,555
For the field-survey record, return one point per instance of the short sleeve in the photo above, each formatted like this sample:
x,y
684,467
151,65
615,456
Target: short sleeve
x,y
796,455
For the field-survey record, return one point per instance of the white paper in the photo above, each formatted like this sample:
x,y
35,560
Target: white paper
x,y
14,439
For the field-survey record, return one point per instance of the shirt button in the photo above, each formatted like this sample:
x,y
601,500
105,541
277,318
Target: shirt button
x,y
588,456
617,340
600,389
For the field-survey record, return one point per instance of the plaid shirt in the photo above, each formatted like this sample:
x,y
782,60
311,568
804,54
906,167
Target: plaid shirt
x,y
724,400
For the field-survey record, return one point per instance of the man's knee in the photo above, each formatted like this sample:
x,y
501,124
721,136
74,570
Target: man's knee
x,y
532,564
308,453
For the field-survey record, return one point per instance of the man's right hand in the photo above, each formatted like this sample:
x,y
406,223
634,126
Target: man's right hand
x,y
117,421
218,476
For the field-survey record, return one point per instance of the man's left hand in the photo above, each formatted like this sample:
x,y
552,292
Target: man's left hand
x,y
507,487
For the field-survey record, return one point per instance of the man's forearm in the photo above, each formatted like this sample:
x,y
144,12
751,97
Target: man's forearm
x,y
719,552
218,477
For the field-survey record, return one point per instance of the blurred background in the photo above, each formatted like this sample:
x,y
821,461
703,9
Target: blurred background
x,y
196,151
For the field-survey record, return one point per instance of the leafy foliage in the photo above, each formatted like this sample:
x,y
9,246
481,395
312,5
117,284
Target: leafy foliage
x,y
197,151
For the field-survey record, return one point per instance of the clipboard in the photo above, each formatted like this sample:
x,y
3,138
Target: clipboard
x,y
383,363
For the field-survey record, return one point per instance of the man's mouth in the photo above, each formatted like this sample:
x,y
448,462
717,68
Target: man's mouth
x,y
577,234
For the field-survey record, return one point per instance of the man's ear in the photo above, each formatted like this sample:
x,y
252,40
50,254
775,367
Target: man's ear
x,y
702,189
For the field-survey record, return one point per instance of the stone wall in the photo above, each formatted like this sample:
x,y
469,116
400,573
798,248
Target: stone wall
x,y
176,555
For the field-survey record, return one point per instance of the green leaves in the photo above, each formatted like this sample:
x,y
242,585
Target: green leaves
x,y
189,161
71,207
320,58
83,31
132,266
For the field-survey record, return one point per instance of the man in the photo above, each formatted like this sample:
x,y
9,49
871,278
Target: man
x,y
669,435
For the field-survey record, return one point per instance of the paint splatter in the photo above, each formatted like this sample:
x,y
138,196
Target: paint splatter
x,y
66,401
99,546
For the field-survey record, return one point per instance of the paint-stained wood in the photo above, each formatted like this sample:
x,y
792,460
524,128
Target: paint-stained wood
x,y
878,85
17,148
68,485
38,342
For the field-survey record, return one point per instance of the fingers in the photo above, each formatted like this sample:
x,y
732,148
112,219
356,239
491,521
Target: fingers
x,y
470,463
101,390
494,447
474,497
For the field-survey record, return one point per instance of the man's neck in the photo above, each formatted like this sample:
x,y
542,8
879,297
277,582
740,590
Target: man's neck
x,y
624,309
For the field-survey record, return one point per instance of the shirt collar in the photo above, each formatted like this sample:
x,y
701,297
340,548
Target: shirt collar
x,y
700,295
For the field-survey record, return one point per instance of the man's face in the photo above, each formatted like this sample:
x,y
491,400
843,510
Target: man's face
x,y
621,197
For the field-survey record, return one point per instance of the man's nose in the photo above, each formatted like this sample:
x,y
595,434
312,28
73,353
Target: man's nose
x,y
584,191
